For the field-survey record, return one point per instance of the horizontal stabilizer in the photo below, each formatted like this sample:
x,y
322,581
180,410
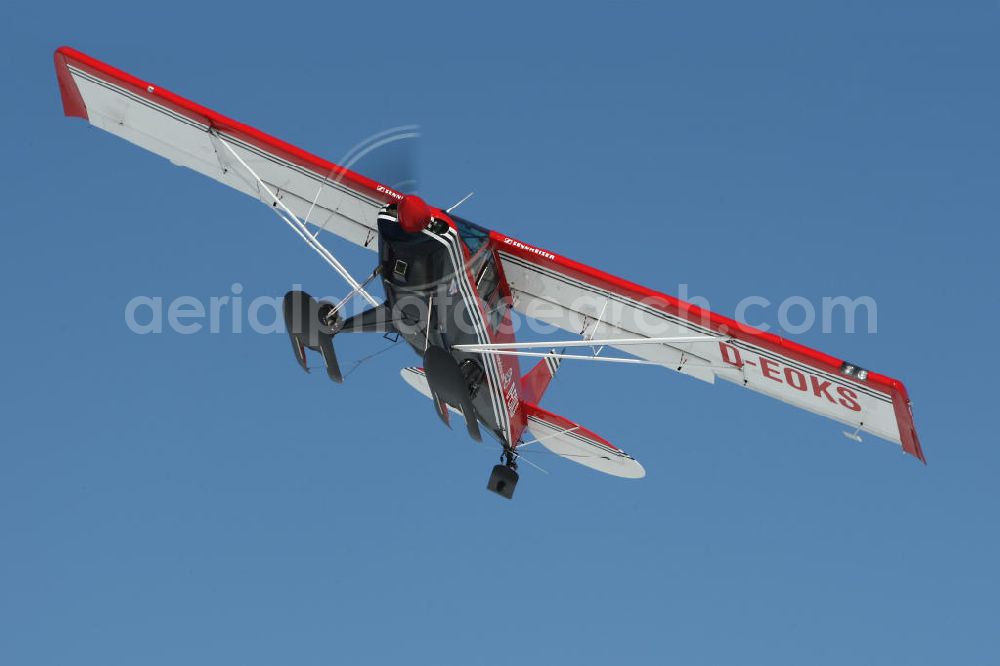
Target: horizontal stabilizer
x,y
569,440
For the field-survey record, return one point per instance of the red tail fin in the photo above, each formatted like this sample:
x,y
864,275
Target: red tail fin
x,y
534,383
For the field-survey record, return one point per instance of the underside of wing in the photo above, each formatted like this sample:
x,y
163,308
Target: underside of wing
x,y
189,135
595,305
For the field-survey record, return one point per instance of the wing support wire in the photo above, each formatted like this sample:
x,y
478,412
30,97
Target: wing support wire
x,y
298,226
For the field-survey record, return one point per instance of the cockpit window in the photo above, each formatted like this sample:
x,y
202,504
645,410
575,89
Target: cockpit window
x,y
488,286
472,235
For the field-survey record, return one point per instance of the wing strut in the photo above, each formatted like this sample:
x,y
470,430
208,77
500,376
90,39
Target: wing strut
x,y
297,225
517,349
580,357
680,339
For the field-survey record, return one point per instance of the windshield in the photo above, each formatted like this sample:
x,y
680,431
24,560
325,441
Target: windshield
x,y
473,235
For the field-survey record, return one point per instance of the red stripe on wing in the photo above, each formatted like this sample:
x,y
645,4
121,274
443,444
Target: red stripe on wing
x,y
73,106
724,326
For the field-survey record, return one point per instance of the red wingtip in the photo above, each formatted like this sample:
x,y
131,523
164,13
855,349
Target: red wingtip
x,y
904,420
72,100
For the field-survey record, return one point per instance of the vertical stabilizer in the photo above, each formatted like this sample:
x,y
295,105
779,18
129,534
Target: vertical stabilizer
x,y
536,381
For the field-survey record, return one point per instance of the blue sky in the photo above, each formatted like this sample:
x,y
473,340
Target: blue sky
x,y
196,499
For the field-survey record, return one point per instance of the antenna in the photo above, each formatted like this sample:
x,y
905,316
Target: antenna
x,y
854,435
462,201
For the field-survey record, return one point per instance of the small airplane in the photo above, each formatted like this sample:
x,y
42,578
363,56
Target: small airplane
x,y
451,288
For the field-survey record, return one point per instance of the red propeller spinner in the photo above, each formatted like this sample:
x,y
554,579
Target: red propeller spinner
x,y
414,214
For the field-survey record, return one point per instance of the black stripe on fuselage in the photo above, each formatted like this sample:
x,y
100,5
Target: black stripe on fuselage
x,y
452,243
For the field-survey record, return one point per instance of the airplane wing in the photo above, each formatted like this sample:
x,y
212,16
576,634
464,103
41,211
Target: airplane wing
x,y
324,194
588,302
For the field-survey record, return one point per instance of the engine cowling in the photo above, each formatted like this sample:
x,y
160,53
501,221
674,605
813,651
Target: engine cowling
x,y
414,214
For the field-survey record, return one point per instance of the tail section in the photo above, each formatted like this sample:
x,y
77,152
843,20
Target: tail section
x,y
569,440
565,438
536,381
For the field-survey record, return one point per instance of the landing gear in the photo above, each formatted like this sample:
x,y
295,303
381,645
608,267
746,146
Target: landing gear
x,y
329,318
312,325
503,478
449,385
473,373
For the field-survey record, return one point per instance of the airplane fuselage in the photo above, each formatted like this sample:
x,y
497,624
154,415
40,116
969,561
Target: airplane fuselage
x,y
443,288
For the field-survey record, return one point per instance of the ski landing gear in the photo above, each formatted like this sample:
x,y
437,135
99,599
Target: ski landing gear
x,y
504,477
312,325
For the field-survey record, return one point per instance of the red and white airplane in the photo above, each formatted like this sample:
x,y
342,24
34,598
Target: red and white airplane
x,y
450,286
